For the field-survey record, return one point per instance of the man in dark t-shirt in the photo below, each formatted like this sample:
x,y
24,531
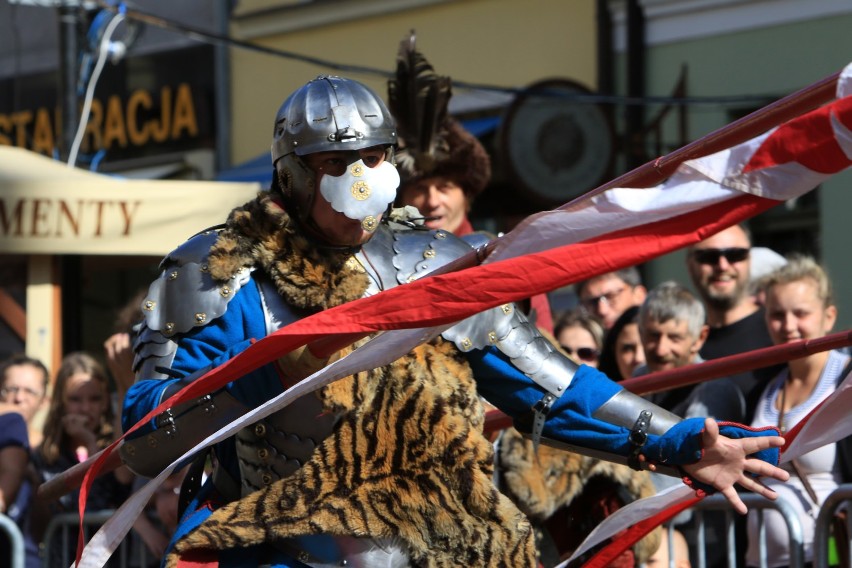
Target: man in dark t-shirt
x,y
719,267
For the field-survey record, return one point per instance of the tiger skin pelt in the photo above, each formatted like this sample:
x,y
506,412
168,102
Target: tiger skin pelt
x,y
408,459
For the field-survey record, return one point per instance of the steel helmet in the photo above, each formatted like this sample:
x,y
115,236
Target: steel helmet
x,y
327,114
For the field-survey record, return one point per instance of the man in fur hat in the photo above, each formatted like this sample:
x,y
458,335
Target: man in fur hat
x,y
442,166
388,467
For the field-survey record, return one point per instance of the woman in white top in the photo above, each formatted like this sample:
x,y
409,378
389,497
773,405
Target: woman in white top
x,y
799,305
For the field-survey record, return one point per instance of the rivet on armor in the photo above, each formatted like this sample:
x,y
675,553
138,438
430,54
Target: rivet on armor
x,y
204,268
149,305
369,223
266,478
440,235
344,562
200,317
411,278
430,253
353,264
356,170
225,291
507,308
304,557
152,441
173,275
260,430
169,327
492,336
360,190
263,453
466,343
131,450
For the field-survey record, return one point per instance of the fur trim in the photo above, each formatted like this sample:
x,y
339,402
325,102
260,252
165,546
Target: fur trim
x,y
261,234
459,156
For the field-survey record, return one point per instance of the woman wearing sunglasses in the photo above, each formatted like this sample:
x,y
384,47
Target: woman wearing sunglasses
x,y
581,336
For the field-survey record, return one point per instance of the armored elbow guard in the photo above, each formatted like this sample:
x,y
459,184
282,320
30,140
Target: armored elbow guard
x,y
177,430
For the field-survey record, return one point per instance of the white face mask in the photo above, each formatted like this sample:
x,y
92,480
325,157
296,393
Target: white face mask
x,y
361,192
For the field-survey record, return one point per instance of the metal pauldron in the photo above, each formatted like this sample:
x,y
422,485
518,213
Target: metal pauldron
x,y
184,296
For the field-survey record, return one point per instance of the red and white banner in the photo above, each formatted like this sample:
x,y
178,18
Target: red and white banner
x,y
614,229
826,424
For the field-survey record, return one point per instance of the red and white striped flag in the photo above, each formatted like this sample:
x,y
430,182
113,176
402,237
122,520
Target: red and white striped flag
x,y
614,229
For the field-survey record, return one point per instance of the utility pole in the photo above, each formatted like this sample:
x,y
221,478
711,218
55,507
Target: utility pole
x,y
69,71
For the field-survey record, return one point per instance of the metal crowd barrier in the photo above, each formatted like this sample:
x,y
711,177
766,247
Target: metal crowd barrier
x,y
16,542
840,497
60,542
755,503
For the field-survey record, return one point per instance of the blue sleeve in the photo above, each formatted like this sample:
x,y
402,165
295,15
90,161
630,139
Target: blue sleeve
x,y
571,419
209,346
13,431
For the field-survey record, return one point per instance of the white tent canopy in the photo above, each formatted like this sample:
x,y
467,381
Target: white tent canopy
x,y
47,207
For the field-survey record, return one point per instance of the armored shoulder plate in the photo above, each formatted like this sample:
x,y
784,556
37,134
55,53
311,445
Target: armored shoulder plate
x,y
184,296
392,257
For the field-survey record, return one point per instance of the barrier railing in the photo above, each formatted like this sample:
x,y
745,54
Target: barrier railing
x,y
822,531
60,542
16,542
755,503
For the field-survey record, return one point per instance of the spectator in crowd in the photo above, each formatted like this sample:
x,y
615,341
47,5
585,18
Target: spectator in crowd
x,y
622,351
443,173
719,267
763,261
23,390
14,458
581,336
608,295
799,305
79,423
679,549
672,330
23,384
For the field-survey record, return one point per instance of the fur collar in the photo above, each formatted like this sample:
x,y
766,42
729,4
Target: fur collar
x,y
261,234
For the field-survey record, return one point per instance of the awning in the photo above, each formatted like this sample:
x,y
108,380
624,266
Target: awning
x,y
48,208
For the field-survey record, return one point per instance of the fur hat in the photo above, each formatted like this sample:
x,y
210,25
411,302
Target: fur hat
x,y
431,143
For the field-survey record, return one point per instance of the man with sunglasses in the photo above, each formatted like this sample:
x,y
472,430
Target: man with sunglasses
x,y
720,268
389,467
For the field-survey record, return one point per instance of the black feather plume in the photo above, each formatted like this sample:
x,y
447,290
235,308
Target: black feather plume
x,y
418,99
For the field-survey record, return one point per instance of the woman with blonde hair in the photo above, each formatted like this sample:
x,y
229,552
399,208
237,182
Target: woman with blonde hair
x,y
79,423
799,305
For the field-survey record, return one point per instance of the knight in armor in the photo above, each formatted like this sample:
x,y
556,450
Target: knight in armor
x,y
388,467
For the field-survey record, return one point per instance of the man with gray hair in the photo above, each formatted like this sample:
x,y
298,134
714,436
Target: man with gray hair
x,y
672,330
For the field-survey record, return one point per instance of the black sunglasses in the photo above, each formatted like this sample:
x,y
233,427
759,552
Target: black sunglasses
x,y
712,255
583,353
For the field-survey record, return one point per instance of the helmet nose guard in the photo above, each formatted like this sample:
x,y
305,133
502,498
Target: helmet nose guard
x,y
331,113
